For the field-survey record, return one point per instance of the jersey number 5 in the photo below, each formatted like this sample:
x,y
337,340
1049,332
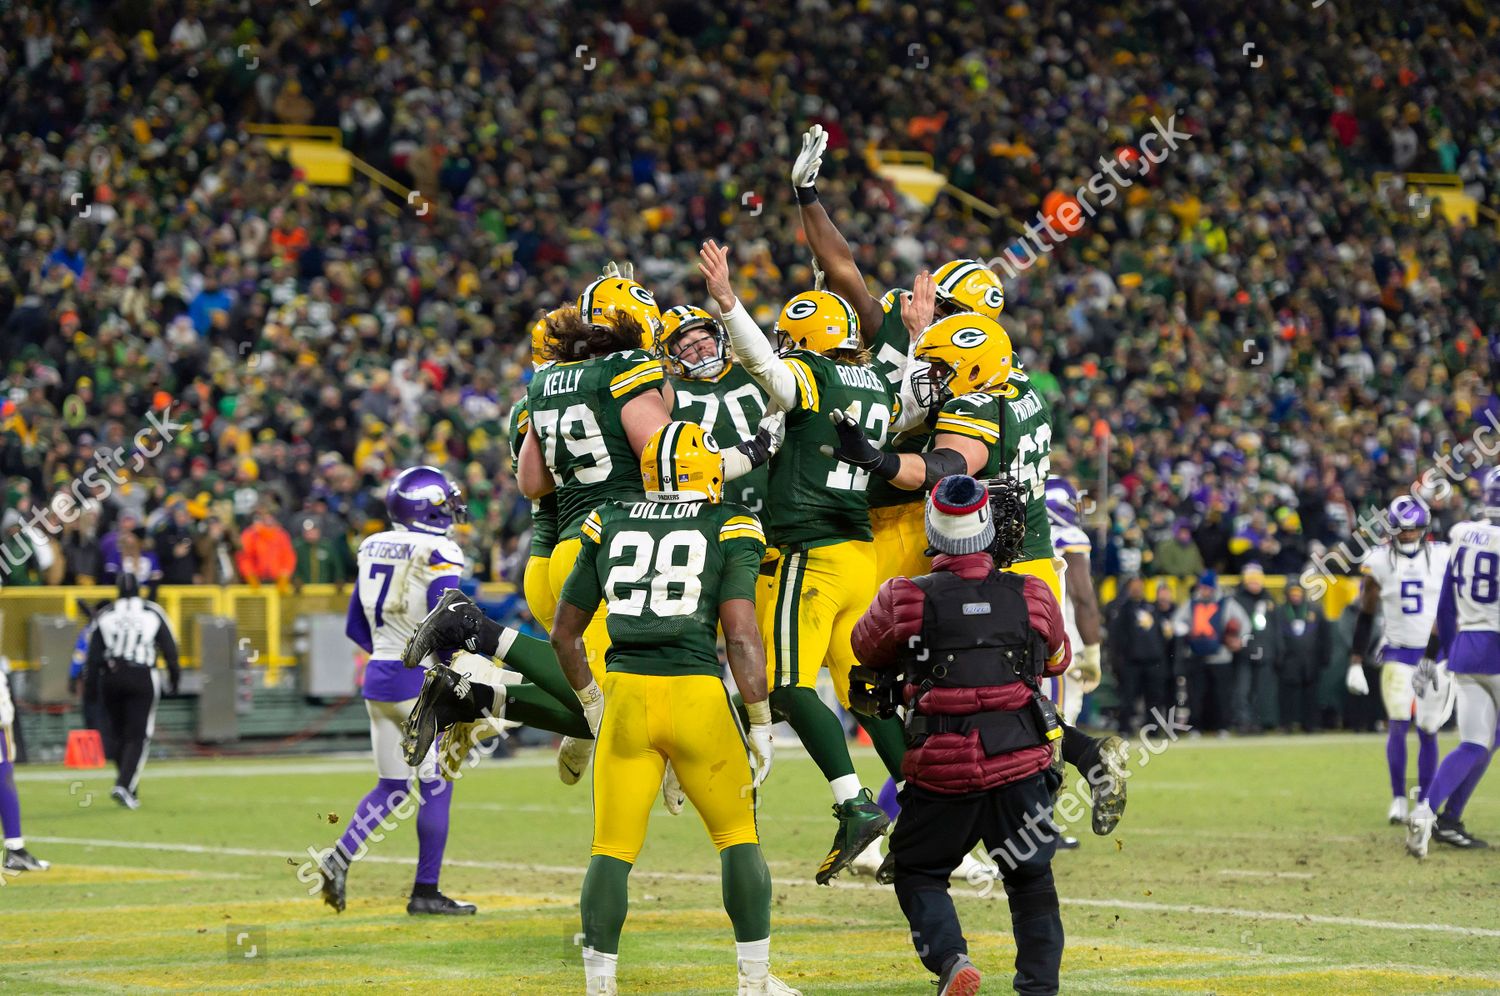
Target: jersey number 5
x,y
676,567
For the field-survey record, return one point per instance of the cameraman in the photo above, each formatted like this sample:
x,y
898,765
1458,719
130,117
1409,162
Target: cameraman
x,y
963,650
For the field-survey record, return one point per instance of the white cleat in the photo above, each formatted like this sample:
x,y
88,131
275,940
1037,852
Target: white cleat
x,y
572,758
1419,830
759,981
975,870
602,985
1397,812
672,795
868,861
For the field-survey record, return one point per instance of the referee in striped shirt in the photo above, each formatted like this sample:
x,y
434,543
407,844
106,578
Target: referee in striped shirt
x,y
129,633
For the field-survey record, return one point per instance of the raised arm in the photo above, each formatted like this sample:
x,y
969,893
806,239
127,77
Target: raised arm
x,y
823,237
751,347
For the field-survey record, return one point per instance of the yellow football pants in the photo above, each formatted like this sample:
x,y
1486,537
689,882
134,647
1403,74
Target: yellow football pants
x,y
536,586
1045,568
686,719
596,636
807,611
900,541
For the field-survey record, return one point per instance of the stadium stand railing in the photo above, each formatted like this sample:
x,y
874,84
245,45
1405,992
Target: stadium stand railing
x,y
264,615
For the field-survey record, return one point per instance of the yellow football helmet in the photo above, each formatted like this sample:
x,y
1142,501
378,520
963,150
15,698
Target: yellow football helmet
x,y
968,285
965,352
817,320
539,339
676,323
681,462
608,296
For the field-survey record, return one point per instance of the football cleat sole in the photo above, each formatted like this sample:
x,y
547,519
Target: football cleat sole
x,y
1108,792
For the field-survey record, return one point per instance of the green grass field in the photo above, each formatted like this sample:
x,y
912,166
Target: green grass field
x,y
1242,866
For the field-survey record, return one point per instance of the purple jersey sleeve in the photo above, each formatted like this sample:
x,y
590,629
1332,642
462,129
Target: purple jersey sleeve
x,y
448,571
1447,610
437,587
356,626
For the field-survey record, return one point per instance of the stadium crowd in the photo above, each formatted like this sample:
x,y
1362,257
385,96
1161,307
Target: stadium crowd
x,y
1274,342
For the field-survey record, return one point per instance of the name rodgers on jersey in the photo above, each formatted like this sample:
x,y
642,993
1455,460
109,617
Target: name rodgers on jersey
x,y
816,499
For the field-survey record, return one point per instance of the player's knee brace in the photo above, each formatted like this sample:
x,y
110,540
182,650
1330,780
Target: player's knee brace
x,y
1031,895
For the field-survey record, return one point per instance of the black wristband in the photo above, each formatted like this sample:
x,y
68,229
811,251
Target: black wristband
x,y
887,467
1363,624
807,194
487,640
755,450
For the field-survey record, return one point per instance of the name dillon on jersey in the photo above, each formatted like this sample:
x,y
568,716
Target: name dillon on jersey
x,y
656,510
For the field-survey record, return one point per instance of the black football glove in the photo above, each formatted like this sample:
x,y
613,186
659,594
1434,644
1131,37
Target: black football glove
x,y
874,693
855,447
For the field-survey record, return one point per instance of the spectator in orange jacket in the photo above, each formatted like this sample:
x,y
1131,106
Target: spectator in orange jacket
x,y
266,552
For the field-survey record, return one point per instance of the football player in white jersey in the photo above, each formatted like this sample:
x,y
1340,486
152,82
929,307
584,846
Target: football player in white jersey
x,y
1080,604
1467,633
403,572
1402,579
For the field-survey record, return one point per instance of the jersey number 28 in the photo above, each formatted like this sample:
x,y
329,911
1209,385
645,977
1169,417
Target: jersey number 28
x,y
675,564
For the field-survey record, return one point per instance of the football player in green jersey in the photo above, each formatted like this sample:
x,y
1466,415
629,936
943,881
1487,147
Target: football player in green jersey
x,y
536,583
709,388
995,422
672,568
896,514
818,522
591,413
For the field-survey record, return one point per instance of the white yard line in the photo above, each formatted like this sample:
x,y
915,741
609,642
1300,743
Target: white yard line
x,y
1126,904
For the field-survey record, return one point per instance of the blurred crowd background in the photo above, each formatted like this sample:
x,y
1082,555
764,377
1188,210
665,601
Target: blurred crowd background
x,y
1276,344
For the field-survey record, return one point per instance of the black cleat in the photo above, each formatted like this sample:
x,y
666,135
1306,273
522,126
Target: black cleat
x,y
1452,833
860,822
334,871
1107,785
439,905
453,624
443,701
18,859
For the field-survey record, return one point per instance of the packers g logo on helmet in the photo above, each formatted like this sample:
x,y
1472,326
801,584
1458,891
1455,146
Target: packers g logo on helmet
x,y
969,285
676,324
819,321
681,462
965,352
609,296
539,359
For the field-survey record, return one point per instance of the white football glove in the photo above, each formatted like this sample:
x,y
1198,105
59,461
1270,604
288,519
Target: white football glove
x,y
1425,677
625,271
810,159
761,749
774,426
672,795
592,698
820,279
7,707
1355,681
1086,670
